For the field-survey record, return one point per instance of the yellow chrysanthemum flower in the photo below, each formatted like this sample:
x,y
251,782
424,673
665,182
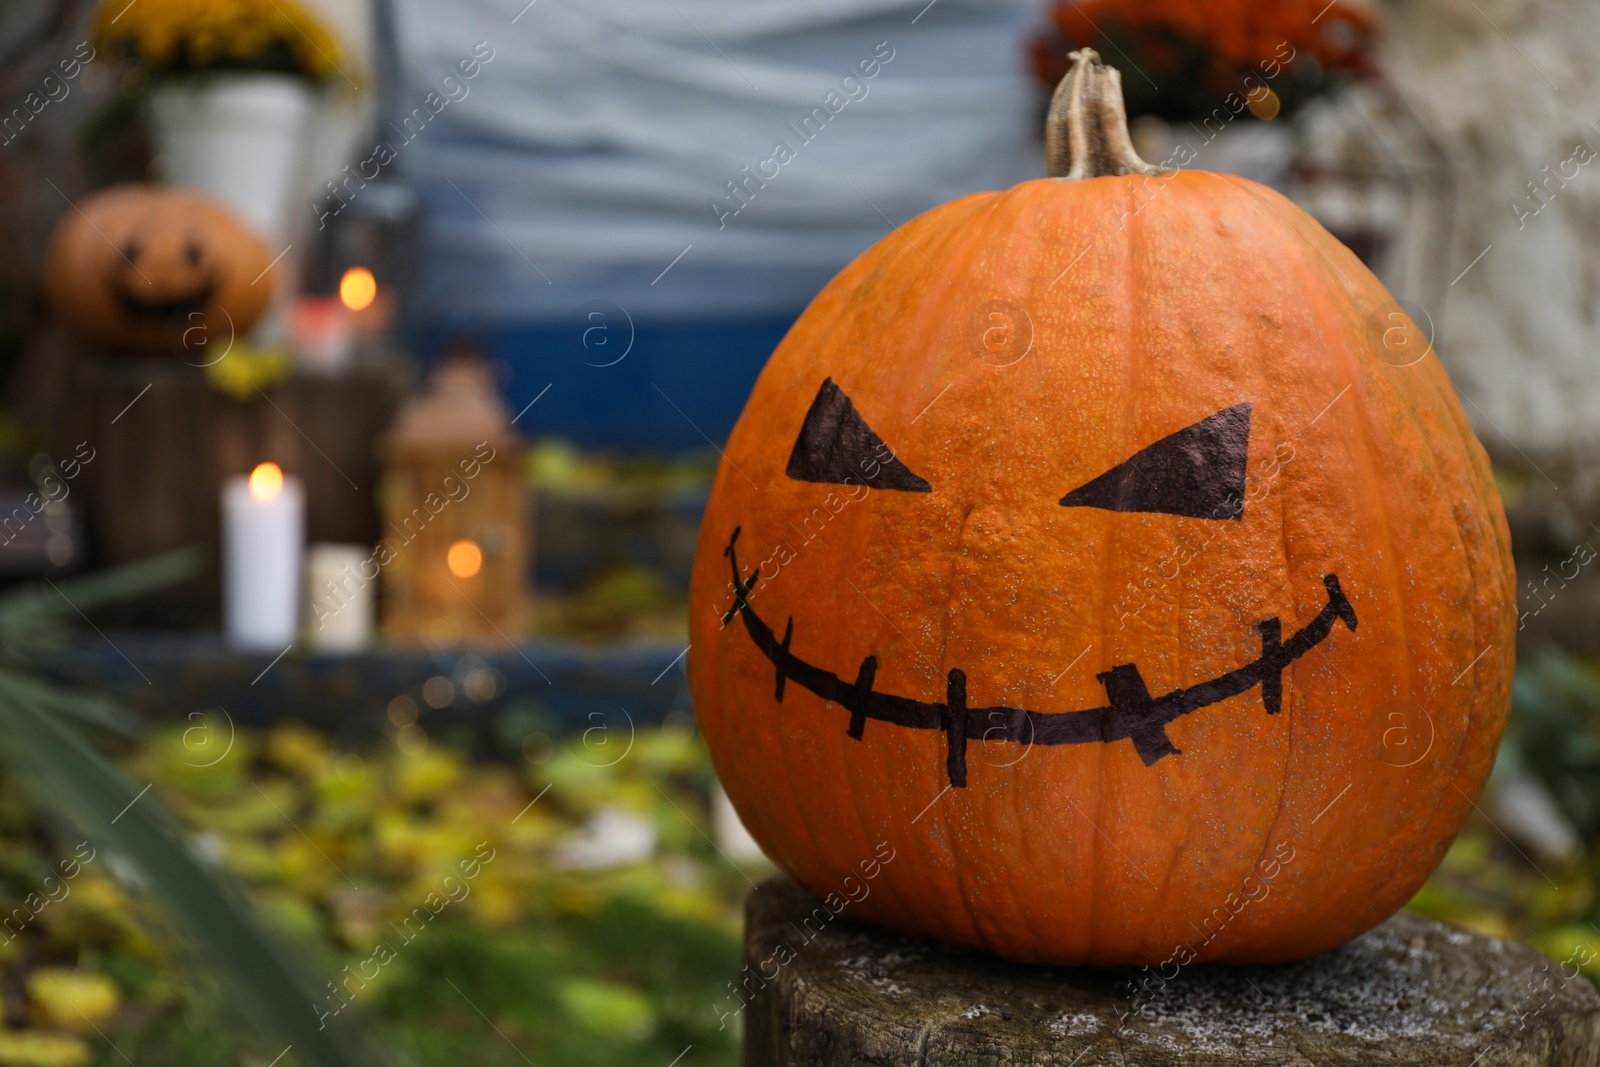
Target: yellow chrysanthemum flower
x,y
181,36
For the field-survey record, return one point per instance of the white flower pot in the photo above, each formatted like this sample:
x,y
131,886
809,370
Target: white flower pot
x,y
240,138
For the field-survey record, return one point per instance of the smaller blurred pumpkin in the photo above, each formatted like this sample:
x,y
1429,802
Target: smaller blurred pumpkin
x,y
157,270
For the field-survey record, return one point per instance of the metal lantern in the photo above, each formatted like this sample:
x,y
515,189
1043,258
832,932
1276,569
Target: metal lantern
x,y
455,548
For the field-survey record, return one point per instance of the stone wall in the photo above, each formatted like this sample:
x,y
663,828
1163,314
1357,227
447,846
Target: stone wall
x,y
1510,89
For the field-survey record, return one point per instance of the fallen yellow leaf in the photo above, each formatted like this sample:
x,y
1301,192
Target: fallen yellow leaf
x,y
71,998
31,1048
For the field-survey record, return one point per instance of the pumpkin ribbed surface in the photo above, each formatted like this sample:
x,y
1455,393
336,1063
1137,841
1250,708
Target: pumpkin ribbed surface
x,y
1105,431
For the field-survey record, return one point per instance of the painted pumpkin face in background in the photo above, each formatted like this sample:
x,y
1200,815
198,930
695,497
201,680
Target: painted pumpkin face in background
x,y
1083,548
156,270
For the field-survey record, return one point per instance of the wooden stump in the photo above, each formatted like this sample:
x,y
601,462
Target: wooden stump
x,y
1413,991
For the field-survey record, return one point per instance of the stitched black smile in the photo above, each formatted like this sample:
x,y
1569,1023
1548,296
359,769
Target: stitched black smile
x,y
1132,714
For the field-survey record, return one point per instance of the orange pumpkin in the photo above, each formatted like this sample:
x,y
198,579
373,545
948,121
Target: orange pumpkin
x,y
157,270
1102,572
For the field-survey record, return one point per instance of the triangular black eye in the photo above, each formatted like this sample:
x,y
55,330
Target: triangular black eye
x,y
1198,472
836,445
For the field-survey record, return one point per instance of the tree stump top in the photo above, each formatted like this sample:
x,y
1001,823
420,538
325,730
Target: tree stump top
x,y
818,988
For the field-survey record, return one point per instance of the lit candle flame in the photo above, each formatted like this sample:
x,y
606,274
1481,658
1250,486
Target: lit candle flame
x,y
266,481
465,558
358,288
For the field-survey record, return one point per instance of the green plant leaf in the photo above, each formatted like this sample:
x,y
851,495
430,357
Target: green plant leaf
x,y
32,617
68,777
116,814
87,708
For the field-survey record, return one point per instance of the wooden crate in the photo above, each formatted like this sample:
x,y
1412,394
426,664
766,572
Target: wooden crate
x,y
164,440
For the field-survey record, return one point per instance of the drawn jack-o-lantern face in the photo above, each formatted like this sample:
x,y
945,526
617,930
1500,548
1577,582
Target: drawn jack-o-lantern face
x,y
156,270
1096,566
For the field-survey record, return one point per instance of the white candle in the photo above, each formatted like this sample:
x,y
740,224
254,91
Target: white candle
x,y
339,596
263,534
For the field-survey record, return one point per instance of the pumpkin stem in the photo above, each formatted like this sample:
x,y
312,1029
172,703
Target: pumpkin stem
x,y
1086,132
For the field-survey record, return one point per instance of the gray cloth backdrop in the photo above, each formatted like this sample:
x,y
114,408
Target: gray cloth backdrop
x,y
584,157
